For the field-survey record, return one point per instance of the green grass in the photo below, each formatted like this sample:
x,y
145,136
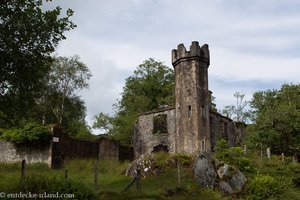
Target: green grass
x,y
112,181
293,194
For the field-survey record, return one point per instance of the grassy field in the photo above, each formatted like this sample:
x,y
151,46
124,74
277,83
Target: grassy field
x,y
112,181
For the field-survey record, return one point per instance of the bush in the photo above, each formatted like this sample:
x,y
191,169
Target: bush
x,y
245,165
296,181
30,132
183,159
161,159
264,187
226,154
221,145
233,156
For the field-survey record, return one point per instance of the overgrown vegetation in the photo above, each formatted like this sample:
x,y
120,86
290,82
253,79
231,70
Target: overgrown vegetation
x,y
151,87
28,133
111,181
267,178
233,156
276,117
37,89
273,178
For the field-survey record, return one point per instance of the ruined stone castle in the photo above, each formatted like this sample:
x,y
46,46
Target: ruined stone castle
x,y
192,126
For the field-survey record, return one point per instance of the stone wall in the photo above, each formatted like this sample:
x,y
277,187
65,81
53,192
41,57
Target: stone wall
x,y
146,141
221,127
62,148
10,152
224,127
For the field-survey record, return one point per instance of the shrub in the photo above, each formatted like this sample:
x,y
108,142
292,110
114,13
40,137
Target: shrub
x,y
229,155
183,159
221,145
161,159
296,181
245,165
28,133
264,187
233,156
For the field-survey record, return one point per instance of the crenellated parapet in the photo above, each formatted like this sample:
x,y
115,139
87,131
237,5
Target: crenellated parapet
x,y
195,53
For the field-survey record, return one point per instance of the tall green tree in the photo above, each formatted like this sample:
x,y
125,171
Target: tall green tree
x,y
28,36
277,118
151,87
67,77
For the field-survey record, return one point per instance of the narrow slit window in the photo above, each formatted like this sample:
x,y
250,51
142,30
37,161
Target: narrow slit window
x,y
189,110
203,112
202,146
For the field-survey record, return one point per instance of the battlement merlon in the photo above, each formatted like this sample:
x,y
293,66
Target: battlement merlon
x,y
196,52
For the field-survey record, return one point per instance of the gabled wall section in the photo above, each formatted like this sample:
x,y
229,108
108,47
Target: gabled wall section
x,y
148,139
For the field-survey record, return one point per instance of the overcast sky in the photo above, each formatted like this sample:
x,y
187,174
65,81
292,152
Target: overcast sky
x,y
254,45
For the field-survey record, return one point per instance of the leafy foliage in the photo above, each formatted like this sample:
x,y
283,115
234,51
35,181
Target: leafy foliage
x,y
28,36
275,179
34,86
264,187
234,156
58,102
66,78
103,121
151,87
30,132
277,119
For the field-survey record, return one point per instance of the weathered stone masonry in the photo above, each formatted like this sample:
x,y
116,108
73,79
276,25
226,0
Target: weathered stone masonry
x,y
148,140
62,148
191,127
191,98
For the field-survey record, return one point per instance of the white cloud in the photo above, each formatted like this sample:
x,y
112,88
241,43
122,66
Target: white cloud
x,y
239,66
250,41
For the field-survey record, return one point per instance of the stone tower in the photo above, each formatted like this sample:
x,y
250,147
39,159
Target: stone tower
x,y
191,99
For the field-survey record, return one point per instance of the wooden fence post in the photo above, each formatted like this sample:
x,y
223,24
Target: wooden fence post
x,y
269,153
245,150
23,168
138,178
66,174
96,175
295,159
178,173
